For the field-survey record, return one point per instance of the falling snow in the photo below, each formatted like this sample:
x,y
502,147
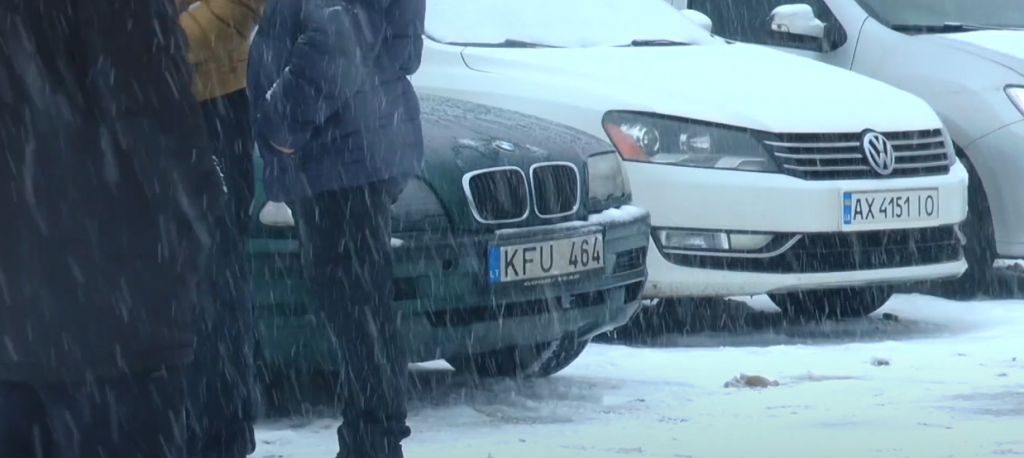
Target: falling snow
x,y
158,294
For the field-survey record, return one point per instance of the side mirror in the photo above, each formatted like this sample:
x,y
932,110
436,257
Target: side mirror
x,y
697,18
797,19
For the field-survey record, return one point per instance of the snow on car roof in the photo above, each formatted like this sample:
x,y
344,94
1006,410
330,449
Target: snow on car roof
x,y
563,23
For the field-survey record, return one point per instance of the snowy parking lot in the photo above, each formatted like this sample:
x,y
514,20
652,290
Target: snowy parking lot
x,y
944,380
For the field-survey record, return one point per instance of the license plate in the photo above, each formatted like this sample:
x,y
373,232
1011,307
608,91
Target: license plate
x,y
890,206
546,259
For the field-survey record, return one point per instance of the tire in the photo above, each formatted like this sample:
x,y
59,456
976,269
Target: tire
x,y
832,304
980,250
531,361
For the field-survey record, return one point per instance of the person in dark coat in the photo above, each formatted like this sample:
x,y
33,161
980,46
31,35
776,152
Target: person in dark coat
x,y
107,201
222,378
337,124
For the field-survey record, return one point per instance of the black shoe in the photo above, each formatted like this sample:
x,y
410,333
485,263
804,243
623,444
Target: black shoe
x,y
368,444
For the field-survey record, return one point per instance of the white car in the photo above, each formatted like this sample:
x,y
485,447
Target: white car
x,y
765,173
964,57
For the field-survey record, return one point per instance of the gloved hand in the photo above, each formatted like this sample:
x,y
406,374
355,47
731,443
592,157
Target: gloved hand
x,y
276,214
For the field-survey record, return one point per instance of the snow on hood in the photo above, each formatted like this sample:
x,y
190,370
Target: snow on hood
x,y
1009,42
742,85
563,23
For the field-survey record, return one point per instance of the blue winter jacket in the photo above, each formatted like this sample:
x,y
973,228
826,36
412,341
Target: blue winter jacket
x,y
330,80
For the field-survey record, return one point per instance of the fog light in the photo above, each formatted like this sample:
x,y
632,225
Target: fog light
x,y
693,240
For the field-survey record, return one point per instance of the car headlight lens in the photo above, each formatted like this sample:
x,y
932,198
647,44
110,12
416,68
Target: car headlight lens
x,y
609,183
418,209
1016,94
644,137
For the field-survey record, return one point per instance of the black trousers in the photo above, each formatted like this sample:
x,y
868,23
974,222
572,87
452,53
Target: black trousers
x,y
222,379
137,416
346,251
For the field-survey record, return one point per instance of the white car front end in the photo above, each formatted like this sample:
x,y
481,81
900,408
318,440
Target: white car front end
x,y
746,157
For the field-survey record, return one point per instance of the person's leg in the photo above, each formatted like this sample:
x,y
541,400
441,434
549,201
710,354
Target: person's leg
x,y
222,376
346,246
235,151
134,416
24,431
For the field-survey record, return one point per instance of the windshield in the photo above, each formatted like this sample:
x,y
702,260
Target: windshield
x,y
560,23
989,13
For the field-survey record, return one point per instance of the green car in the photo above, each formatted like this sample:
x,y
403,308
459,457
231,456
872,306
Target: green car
x,y
513,248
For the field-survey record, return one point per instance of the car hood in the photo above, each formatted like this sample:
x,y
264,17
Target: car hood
x,y
739,84
461,137
468,136
1004,47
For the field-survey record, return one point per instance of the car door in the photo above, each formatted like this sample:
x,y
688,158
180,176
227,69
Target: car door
x,y
749,21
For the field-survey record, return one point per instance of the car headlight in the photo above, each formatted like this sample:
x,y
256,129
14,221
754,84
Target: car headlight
x,y
1016,94
609,183
646,137
418,209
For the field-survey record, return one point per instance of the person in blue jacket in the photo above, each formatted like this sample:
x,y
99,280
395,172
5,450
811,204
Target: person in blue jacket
x,y
336,121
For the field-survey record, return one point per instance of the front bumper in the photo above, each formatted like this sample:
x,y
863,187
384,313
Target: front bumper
x,y
998,159
448,307
707,283
787,207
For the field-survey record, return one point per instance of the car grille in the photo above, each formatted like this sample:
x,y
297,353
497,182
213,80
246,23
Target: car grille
x,y
503,194
556,189
628,261
841,156
498,195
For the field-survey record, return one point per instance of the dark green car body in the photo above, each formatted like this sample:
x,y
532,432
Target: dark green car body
x,y
447,303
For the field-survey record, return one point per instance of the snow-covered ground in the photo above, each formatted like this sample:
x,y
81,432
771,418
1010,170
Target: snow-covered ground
x,y
953,387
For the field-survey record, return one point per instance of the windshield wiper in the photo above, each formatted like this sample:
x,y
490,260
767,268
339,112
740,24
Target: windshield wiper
x,y
948,27
657,42
508,43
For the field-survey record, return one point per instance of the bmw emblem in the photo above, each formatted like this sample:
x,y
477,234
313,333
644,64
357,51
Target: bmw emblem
x,y
504,146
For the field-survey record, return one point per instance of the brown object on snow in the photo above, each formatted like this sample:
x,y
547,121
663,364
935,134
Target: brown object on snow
x,y
750,381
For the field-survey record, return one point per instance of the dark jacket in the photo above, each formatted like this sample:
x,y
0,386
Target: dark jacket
x,y
330,80
107,189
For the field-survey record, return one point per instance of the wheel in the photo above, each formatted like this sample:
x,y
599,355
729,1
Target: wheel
x,y
832,303
531,361
980,250
653,320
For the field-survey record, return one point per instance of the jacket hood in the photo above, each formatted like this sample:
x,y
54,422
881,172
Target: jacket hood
x,y
743,85
1004,47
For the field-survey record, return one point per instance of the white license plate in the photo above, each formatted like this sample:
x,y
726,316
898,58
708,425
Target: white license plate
x,y
546,259
890,206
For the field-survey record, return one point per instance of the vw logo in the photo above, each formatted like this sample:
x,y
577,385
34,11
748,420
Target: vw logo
x,y
878,152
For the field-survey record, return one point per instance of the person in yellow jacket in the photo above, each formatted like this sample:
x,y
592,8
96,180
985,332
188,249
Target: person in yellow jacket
x,y
222,388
